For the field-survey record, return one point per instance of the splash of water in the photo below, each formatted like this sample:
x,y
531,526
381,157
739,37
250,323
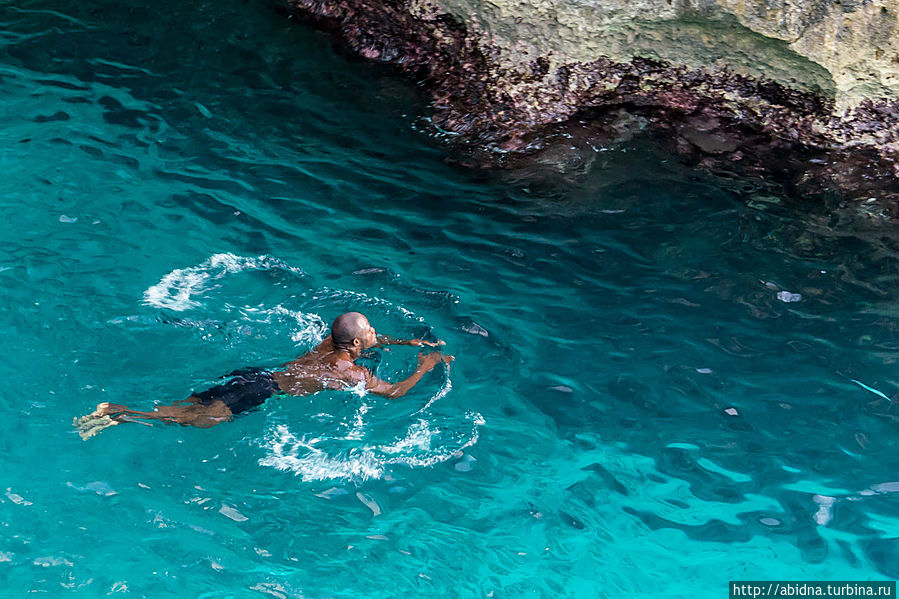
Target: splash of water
x,y
419,447
311,327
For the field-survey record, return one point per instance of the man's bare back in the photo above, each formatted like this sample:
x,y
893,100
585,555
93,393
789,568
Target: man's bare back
x,y
331,365
325,367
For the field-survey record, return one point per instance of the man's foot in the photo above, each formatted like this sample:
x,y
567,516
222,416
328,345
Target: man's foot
x,y
101,418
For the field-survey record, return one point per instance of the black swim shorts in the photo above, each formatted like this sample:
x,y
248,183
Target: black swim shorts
x,y
248,388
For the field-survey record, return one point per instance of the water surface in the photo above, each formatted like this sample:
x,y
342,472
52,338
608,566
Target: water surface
x,y
663,381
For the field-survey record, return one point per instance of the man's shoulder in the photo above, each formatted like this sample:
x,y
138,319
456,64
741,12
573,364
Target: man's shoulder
x,y
356,372
344,375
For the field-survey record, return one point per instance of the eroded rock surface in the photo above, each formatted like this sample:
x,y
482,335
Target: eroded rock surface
x,y
810,83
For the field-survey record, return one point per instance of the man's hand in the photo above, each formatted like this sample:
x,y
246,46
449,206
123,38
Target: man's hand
x,y
427,362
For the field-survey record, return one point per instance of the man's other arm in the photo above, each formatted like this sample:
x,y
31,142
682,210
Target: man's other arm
x,y
385,340
426,363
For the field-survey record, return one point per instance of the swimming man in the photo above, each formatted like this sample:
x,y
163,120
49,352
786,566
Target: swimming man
x,y
331,365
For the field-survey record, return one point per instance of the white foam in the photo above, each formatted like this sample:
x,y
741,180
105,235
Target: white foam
x,y
358,419
417,448
441,393
175,290
312,328
359,389
285,453
418,436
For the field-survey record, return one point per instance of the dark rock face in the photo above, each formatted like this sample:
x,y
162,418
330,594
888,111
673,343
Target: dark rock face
x,y
435,50
498,112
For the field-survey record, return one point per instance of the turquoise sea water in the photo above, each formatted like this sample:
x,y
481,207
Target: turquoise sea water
x,y
663,381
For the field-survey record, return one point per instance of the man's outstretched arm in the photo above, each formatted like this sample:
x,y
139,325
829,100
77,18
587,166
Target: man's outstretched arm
x,y
385,340
426,363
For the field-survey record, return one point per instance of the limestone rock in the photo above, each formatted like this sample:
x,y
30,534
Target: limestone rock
x,y
771,75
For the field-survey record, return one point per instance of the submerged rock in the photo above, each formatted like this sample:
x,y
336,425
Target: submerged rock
x,y
806,89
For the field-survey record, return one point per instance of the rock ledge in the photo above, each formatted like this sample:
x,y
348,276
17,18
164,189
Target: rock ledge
x,y
814,82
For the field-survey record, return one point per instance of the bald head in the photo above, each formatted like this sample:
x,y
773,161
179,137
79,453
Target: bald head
x,y
351,327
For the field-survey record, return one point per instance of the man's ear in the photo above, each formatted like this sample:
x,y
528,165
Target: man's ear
x,y
356,343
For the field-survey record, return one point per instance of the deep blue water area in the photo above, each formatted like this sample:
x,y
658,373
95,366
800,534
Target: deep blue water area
x,y
663,380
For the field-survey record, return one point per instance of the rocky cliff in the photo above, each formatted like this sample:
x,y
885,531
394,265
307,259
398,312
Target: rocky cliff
x,y
815,80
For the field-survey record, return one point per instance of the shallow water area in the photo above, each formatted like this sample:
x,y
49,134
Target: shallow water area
x,y
663,381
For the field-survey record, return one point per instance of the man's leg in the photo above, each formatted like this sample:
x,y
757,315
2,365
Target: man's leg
x,y
187,412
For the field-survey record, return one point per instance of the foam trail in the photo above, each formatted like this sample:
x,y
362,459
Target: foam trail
x,y
358,421
418,436
441,393
284,447
416,449
174,290
312,328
